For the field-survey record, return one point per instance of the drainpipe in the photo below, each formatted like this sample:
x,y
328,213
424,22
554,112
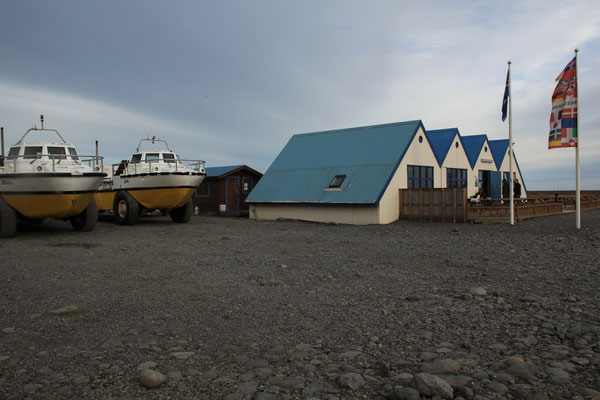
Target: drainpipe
x,y
2,155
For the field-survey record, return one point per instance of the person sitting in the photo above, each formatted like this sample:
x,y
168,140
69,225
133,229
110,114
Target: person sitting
x,y
477,197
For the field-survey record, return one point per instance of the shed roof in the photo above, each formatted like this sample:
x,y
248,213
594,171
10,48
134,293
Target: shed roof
x,y
218,171
498,148
304,169
473,145
440,141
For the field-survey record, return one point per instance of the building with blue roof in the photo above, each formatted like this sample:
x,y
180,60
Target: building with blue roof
x,y
346,175
451,156
354,175
225,189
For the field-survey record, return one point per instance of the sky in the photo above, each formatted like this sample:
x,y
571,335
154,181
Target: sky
x,y
230,82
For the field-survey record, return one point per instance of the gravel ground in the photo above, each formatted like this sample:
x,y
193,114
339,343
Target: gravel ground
x,y
227,308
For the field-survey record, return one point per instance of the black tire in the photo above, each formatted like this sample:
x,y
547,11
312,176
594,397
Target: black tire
x,y
8,220
126,209
182,214
86,221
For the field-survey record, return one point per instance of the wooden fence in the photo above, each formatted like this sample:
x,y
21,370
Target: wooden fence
x,y
433,204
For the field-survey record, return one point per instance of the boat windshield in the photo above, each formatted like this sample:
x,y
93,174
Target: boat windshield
x,y
152,157
14,151
33,152
73,153
169,157
57,151
136,158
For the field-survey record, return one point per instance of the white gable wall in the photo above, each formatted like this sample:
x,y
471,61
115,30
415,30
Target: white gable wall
x,y
456,158
355,215
485,162
416,154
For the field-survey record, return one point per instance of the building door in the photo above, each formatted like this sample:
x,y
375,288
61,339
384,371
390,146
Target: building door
x,y
232,193
495,185
484,182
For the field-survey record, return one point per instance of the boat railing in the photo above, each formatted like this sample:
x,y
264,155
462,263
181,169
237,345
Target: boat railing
x,y
57,161
148,166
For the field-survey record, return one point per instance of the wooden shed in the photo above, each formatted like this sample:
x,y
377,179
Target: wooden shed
x,y
224,190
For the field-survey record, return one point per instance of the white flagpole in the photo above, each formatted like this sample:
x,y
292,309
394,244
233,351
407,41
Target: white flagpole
x,y
510,151
577,180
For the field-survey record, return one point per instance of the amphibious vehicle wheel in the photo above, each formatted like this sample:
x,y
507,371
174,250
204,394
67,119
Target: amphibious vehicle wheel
x,y
182,214
126,209
8,220
86,221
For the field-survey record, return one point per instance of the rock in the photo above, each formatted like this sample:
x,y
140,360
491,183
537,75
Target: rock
x,y
151,378
257,363
424,334
9,330
431,385
80,380
404,378
478,291
350,354
404,393
441,367
522,369
174,375
351,380
234,396
318,387
70,309
557,373
265,396
32,388
146,365
458,381
528,299
4,358
248,387
182,355
496,387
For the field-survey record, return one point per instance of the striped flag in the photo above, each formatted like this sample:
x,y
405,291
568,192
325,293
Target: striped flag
x,y
505,99
563,119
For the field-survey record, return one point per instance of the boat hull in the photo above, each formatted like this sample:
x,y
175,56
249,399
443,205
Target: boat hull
x,y
49,195
152,191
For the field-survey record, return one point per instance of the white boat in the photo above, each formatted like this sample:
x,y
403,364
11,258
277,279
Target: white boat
x,y
48,179
156,179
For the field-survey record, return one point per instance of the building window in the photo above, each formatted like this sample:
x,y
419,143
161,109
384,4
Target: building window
x,y
420,177
456,178
337,181
246,184
203,190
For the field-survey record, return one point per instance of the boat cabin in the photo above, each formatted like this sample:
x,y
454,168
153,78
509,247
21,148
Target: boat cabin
x,y
154,157
44,151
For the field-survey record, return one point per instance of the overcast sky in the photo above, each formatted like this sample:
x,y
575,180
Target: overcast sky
x,y
231,81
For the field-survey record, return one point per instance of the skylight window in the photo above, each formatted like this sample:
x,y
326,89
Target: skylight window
x,y
337,181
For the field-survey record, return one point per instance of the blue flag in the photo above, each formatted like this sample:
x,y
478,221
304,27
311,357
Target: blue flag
x,y
505,99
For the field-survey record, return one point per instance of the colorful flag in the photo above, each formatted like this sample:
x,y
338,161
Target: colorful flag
x,y
505,99
563,119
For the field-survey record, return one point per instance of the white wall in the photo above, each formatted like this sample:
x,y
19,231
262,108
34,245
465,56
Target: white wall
x,y
355,215
456,158
417,154
481,164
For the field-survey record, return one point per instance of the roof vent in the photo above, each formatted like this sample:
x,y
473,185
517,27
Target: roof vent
x,y
337,181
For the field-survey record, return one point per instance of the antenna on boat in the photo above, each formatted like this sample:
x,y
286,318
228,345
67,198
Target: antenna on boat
x,y
42,119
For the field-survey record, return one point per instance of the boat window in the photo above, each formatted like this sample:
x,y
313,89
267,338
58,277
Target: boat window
x,y
151,157
14,151
169,157
56,152
136,158
73,153
33,152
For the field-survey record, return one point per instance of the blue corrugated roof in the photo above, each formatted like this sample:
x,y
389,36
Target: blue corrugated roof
x,y
473,145
218,171
304,169
498,148
440,141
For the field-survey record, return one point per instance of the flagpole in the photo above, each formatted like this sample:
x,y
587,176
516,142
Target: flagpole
x,y
577,177
510,150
